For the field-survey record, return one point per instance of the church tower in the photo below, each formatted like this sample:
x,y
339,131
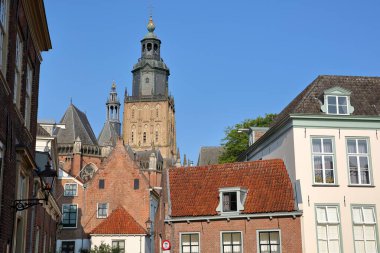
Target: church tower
x,y
149,112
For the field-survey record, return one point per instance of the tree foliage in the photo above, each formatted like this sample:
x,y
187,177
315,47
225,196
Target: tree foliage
x,y
104,248
235,143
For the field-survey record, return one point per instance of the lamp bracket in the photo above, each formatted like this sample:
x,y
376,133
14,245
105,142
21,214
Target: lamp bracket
x,y
22,204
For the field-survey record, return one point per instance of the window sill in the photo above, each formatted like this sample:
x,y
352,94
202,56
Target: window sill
x,y
69,228
361,185
325,185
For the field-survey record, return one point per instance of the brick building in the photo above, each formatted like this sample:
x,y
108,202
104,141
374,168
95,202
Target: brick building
x,y
23,36
234,208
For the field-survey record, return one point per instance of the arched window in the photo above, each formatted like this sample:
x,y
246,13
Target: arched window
x,y
147,80
157,136
149,47
144,137
143,47
132,137
155,47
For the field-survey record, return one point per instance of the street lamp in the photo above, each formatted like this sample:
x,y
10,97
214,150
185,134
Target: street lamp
x,y
47,178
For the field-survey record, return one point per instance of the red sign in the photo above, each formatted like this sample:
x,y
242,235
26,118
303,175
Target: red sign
x,y
166,245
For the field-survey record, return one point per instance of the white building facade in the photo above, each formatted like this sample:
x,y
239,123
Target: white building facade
x,y
328,137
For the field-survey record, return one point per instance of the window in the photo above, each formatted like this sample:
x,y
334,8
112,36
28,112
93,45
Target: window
x,y
3,33
120,245
133,113
28,94
18,72
101,183
231,200
323,160
147,80
136,184
70,190
364,226
269,242
358,160
328,229
144,137
132,137
337,105
231,242
156,135
102,210
69,215
190,243
68,247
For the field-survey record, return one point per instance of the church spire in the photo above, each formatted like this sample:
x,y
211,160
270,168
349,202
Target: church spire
x,y
113,108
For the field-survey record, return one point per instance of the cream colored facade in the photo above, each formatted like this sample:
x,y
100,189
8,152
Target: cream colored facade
x,y
133,243
150,124
292,142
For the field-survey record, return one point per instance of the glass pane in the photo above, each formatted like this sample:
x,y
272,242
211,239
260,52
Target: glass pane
x,y
327,146
264,238
194,239
329,176
318,162
343,109
362,146
358,233
371,247
274,238
364,177
329,162
322,246
274,249
342,100
332,109
357,215
321,232
351,144
236,248
333,232
186,249
227,238
363,162
321,214
194,249
185,239
236,238
317,146
227,249
334,246
264,249
331,100
359,247
369,233
369,216
332,214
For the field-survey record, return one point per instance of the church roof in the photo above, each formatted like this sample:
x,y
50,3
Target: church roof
x,y
108,136
77,125
209,155
120,222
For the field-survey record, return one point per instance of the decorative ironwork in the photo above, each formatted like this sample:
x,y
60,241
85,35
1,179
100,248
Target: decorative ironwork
x,y
22,204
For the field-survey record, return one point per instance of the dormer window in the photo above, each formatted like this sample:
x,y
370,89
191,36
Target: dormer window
x,y
337,101
231,200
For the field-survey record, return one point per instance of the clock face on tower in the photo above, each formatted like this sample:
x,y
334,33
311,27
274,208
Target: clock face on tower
x,y
147,84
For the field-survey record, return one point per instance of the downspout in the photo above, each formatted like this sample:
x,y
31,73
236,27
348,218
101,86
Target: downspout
x,y
140,244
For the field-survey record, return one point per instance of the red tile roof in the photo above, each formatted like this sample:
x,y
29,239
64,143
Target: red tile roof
x,y
194,191
119,222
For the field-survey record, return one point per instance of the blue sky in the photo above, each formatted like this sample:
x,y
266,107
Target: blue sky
x,y
229,60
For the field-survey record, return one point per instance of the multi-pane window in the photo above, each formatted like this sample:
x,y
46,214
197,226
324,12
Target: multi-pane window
x,y
3,32
328,229
231,242
68,247
337,105
119,245
69,215
364,225
323,160
18,71
358,160
269,242
102,210
229,201
28,94
70,190
190,243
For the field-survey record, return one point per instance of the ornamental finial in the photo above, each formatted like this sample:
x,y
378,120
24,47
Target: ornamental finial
x,y
113,85
151,25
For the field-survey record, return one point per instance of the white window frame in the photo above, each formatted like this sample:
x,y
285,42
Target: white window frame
x,y
64,190
241,240
189,233
241,195
267,231
97,210
328,223
118,241
28,94
76,218
358,155
364,224
323,155
18,71
337,104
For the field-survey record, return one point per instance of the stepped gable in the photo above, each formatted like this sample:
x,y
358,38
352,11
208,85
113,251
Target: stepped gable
x,y
120,222
365,96
77,125
194,191
108,136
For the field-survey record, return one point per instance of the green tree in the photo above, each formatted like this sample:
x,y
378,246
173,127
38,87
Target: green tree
x,y
104,248
234,143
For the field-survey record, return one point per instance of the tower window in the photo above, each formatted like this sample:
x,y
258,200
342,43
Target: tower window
x,y
132,137
155,47
144,137
156,135
147,80
149,46
157,112
143,48
133,113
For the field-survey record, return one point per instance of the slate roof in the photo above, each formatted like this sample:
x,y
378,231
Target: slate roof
x,y
365,96
194,191
77,125
42,132
119,222
209,155
108,136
